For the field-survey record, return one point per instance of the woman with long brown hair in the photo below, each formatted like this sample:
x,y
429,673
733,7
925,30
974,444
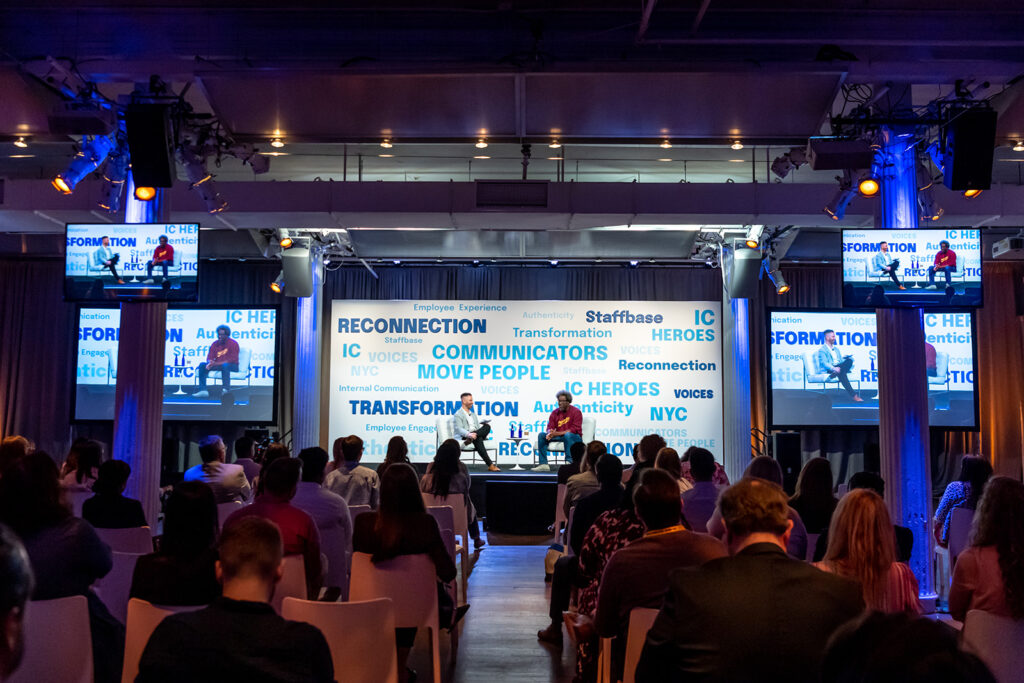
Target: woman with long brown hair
x,y
862,546
989,575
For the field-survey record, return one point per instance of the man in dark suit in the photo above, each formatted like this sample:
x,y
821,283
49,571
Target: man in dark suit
x,y
755,616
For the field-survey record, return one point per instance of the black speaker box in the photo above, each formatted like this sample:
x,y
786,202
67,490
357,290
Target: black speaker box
x,y
150,144
970,144
744,271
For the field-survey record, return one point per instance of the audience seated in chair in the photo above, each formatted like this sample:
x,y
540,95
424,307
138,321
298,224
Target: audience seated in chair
x,y
16,586
904,536
12,449
813,499
644,454
720,478
227,481
398,451
271,453
565,573
358,485
331,515
583,484
572,467
298,530
182,572
862,547
700,501
401,526
87,456
109,509
988,575
726,617
899,647
637,575
66,554
965,492
668,460
447,475
245,455
239,637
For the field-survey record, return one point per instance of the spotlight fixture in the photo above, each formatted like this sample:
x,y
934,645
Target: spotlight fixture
x,y
555,144
481,143
114,176
144,193
93,152
665,144
22,143
781,286
284,239
836,207
277,285
753,238
868,186
201,180
736,145
971,194
277,142
386,143
871,181
791,160
1019,147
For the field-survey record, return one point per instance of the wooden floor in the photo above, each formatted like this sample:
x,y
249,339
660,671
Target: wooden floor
x,y
509,604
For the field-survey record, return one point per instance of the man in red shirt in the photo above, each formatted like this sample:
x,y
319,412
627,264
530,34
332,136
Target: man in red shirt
x,y
222,356
945,261
565,424
163,256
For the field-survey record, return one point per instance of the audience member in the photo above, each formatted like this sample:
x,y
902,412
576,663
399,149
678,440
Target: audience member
x,y
182,571
668,461
572,467
989,575
609,474
862,547
70,463
899,648
637,575
16,585
719,479
239,637
398,451
768,469
757,615
12,449
245,452
358,485
227,481
813,499
298,530
66,554
583,484
401,526
330,513
963,493
274,451
88,456
447,475
904,536
109,509
644,455
699,502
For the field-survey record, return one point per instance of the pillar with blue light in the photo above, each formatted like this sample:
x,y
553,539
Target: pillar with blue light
x,y
902,377
308,344
735,385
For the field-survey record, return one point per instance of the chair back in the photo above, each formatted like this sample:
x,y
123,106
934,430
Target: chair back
x,y
361,635
137,540
58,646
114,588
812,543
448,538
354,510
811,373
959,531
443,515
292,583
225,510
640,621
568,532
457,503
998,641
444,428
559,511
589,429
143,618
941,365
76,499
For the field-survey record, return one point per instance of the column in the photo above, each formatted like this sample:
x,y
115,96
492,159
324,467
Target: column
x,y
735,386
902,380
308,346
139,395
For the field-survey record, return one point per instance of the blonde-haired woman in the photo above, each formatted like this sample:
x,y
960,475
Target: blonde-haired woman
x,y
862,546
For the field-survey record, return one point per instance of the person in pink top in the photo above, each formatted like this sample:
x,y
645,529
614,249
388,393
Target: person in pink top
x,y
989,576
222,357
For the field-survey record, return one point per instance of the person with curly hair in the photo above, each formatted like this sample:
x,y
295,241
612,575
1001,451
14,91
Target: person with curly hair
x,y
989,575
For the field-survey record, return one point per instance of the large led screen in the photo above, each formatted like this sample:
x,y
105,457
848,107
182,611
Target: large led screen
x,y
219,364
823,368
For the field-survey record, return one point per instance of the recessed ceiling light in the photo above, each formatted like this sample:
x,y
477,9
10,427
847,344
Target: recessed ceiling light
x,y
21,156
21,142
386,143
277,142
385,156
481,156
481,143
1019,147
555,144
664,160
736,145
555,158
737,161
274,154
665,144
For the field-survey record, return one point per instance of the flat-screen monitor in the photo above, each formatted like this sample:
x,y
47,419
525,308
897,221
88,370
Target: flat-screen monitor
x,y
239,386
912,268
823,368
131,262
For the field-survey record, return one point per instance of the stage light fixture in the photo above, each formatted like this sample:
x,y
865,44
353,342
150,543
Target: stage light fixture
x,y
144,193
736,145
114,175
781,286
868,186
285,239
836,207
386,143
971,194
277,143
929,208
277,285
201,180
753,238
93,152
481,143
791,160
21,142
1019,147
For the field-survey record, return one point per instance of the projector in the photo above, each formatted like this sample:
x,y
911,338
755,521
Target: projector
x,y
81,118
1009,249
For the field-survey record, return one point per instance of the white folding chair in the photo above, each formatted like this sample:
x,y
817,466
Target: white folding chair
x,y
58,645
361,635
225,510
457,503
411,583
292,583
959,532
559,513
998,641
143,618
640,621
137,540
114,588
